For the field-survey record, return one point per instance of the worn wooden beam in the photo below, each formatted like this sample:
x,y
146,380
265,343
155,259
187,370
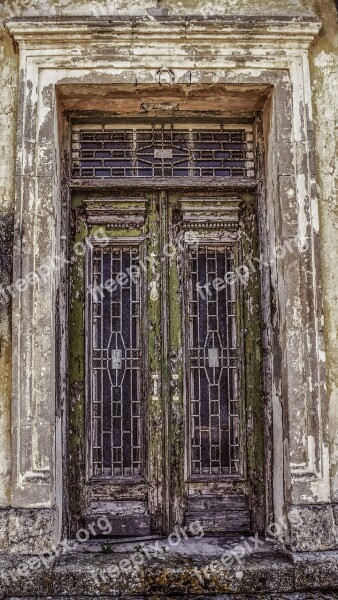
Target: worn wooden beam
x,y
203,183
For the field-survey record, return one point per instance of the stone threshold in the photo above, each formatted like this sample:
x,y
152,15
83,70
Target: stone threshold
x,y
296,596
191,569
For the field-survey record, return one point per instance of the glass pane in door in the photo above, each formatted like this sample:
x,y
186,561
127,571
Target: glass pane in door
x,y
213,361
115,365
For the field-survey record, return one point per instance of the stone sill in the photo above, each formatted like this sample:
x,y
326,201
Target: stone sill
x,y
177,572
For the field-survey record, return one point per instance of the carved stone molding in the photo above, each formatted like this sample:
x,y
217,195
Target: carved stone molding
x,y
294,32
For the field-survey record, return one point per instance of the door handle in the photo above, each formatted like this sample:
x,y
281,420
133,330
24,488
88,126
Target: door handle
x,y
174,384
155,378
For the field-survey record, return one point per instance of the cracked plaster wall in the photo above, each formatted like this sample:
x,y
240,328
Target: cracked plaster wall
x,y
323,64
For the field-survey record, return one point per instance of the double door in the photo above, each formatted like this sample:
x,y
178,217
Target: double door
x,y
165,411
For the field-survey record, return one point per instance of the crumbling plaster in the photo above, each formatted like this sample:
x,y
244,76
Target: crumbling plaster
x,y
323,65
146,7
8,94
324,74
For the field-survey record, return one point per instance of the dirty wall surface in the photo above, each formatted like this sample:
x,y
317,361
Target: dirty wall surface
x,y
324,83
323,65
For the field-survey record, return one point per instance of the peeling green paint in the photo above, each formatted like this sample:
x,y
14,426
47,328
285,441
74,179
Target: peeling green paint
x,y
177,416
76,374
254,400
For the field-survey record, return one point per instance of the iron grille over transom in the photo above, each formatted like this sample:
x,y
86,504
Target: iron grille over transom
x,y
162,151
213,362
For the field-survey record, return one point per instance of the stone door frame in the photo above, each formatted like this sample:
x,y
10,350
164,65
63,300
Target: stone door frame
x,y
267,52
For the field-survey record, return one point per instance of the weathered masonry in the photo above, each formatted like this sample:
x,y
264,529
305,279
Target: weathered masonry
x,y
165,306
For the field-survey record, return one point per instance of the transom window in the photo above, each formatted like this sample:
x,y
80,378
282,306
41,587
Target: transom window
x,y
160,150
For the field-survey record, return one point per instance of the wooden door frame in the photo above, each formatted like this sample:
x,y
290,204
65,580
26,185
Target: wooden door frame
x,y
163,185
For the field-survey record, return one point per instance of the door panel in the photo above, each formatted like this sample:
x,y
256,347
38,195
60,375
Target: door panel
x,y
116,409
211,308
116,314
165,412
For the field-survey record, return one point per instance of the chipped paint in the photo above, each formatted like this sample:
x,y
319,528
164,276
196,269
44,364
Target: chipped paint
x,y
193,63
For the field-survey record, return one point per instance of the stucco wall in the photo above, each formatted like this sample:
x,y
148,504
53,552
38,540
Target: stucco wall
x,y
8,94
146,7
323,63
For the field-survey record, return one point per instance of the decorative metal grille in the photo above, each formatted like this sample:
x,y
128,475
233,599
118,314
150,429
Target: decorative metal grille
x,y
162,152
213,362
116,387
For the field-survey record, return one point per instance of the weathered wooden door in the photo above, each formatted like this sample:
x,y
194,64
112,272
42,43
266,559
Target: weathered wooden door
x,y
116,356
165,365
216,410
